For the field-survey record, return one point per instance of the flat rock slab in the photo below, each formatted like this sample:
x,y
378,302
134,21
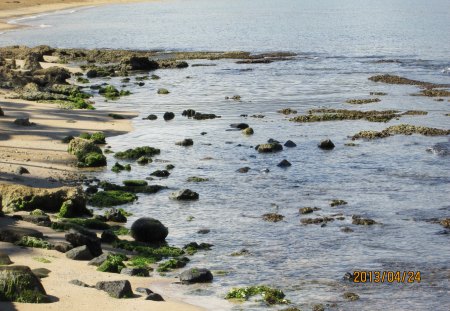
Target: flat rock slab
x,y
116,289
14,234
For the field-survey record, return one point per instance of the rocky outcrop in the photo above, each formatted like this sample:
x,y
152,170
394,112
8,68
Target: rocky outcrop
x,y
149,230
18,198
31,62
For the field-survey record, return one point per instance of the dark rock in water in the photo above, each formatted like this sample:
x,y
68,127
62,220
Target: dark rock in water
x,y
151,117
62,247
272,141
76,238
14,234
357,220
31,61
205,116
154,297
138,63
149,230
5,260
351,296
442,149
21,170
242,252
19,284
97,261
284,163
116,289
135,272
144,290
188,113
240,126
23,122
272,217
185,142
203,133
243,169
116,215
347,230
108,236
326,145
184,195
168,116
290,144
79,283
196,275
203,231
2,114
348,277
91,189
52,75
79,253
161,173
41,272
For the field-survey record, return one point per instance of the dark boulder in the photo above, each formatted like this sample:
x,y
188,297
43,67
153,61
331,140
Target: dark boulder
x,y
326,145
20,170
76,238
151,117
184,195
188,113
62,247
154,297
19,284
135,272
240,126
185,142
139,63
149,230
97,261
196,275
116,215
23,122
108,236
168,116
31,61
79,283
161,173
116,289
243,169
290,144
269,147
79,253
284,163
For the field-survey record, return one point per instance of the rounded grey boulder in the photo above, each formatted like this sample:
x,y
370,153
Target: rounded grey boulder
x,y
196,275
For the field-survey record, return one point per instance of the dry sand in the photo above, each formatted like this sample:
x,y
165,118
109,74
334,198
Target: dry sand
x,y
11,9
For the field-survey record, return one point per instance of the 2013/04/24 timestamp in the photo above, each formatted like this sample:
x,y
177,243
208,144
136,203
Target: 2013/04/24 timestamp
x,y
386,276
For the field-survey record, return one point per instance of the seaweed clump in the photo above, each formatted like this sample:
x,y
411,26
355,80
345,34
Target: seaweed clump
x,y
269,295
111,198
401,129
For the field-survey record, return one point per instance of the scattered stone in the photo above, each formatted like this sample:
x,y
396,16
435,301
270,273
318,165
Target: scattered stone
x,y
346,230
79,253
445,222
163,91
391,79
185,142
154,297
62,247
290,144
401,129
23,122
203,231
287,111
377,93
5,260
161,173
184,195
80,283
89,239
135,272
269,147
116,289
284,163
272,217
14,234
168,116
97,261
319,220
188,113
350,296
243,169
318,307
144,160
242,252
196,275
151,117
108,236
357,220
240,126
149,230
321,115
308,210
337,203
19,284
326,145
144,290
248,131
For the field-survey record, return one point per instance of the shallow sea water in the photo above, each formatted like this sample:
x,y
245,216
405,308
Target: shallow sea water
x,y
393,181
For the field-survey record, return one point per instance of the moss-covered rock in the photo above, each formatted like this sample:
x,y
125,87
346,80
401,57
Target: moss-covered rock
x,y
269,147
321,115
29,241
196,179
144,160
18,197
136,153
87,153
248,131
113,263
135,183
19,284
194,247
97,138
171,264
401,129
163,91
337,203
111,198
117,167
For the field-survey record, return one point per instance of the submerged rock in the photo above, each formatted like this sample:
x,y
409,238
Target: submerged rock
x,y
184,195
401,129
196,275
272,217
284,163
185,142
269,147
442,149
326,145
290,144
168,116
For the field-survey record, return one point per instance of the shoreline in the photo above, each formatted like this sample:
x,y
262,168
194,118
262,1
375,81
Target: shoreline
x,y
12,10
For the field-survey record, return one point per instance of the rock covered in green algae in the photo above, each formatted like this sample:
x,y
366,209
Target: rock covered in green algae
x,y
18,197
136,153
392,79
401,129
111,198
19,284
270,295
321,115
272,217
87,152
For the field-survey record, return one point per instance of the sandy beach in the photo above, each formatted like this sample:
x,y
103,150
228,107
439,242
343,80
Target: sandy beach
x,y
16,9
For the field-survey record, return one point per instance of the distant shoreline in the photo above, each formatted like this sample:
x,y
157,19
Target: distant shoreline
x,y
24,8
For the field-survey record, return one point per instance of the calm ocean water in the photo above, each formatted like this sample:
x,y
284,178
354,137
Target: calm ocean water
x,y
339,43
